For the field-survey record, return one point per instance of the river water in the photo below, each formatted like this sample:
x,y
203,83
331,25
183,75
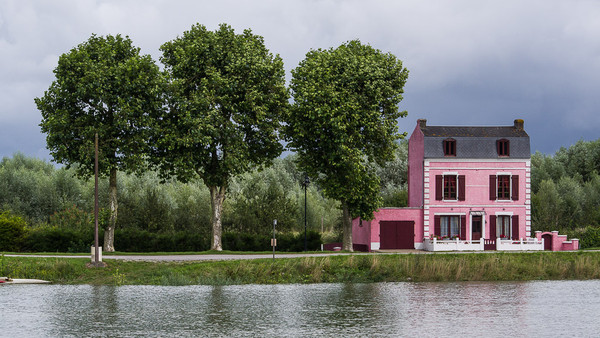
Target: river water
x,y
471,309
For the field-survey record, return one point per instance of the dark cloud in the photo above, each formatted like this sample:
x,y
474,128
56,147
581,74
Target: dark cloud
x,y
470,62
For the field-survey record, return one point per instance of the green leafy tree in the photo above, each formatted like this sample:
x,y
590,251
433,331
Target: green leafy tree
x,y
546,207
394,178
545,167
582,158
227,94
591,204
102,86
344,119
262,196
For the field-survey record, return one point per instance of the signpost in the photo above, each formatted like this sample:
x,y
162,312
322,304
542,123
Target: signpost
x,y
274,240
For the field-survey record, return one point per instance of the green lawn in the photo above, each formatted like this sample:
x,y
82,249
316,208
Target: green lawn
x,y
326,269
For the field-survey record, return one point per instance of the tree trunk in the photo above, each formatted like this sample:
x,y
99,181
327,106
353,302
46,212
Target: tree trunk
x,y
109,232
217,196
347,228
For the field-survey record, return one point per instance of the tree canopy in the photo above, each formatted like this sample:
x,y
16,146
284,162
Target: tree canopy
x,y
566,188
227,94
102,86
343,120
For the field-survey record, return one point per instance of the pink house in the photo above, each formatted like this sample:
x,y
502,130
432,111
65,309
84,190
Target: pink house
x,y
468,189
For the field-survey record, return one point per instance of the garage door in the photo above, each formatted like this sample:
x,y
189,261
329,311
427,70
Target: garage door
x,y
397,235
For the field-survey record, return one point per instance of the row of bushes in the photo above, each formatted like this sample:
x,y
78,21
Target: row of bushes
x,y
16,236
287,242
589,237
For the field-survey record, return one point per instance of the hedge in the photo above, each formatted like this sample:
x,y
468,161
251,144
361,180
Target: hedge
x,y
12,231
285,242
55,239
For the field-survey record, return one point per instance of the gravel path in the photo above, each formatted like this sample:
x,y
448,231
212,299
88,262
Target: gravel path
x,y
181,258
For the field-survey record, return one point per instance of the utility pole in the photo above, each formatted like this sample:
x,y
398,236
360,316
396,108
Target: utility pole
x,y
96,242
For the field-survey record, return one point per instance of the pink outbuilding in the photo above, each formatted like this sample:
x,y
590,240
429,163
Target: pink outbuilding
x,y
468,189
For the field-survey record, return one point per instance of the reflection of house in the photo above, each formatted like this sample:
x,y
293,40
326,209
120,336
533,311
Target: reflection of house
x,y
468,189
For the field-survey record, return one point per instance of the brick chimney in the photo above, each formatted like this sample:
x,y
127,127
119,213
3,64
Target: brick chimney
x,y
519,124
422,123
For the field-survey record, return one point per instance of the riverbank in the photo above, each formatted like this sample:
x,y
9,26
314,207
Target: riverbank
x,y
326,269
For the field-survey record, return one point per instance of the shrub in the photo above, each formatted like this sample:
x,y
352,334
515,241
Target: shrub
x,y
72,218
55,239
135,240
287,242
12,231
589,237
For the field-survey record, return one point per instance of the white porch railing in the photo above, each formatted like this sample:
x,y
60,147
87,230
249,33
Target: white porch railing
x,y
452,245
527,244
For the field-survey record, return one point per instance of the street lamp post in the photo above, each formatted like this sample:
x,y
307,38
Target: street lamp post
x,y
305,184
96,249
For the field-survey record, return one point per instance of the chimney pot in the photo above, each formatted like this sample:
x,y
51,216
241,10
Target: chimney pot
x,y
519,124
422,123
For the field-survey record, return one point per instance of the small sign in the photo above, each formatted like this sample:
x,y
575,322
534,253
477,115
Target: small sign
x,y
273,242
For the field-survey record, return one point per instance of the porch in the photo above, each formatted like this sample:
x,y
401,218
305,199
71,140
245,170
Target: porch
x,y
523,244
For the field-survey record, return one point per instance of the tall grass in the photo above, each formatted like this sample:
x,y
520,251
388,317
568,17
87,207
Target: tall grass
x,y
327,269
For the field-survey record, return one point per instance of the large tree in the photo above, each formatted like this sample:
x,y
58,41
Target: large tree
x,y
344,119
102,86
227,94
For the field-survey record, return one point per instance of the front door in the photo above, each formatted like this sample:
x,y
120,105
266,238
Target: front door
x,y
476,227
397,235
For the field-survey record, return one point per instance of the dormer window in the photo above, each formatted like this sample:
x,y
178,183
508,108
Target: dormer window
x,y
503,147
449,147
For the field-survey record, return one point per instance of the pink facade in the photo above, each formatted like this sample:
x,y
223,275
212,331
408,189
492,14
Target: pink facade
x,y
477,201
464,183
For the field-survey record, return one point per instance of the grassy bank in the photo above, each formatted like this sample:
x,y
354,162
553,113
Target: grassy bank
x,y
330,269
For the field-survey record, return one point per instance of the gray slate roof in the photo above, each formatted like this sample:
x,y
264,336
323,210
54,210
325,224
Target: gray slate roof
x,y
476,142
497,132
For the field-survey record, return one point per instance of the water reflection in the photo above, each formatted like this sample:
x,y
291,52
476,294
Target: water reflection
x,y
385,309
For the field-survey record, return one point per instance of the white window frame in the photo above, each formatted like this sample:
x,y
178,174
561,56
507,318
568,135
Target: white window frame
x,y
510,188
455,174
509,214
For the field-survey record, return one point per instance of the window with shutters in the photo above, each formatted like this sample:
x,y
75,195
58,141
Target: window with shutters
x,y
450,187
503,227
504,187
449,147
449,226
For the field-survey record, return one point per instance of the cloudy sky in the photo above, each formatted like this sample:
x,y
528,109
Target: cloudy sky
x,y
471,62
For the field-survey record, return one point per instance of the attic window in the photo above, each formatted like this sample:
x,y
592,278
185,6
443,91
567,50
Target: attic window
x,y
449,147
503,147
